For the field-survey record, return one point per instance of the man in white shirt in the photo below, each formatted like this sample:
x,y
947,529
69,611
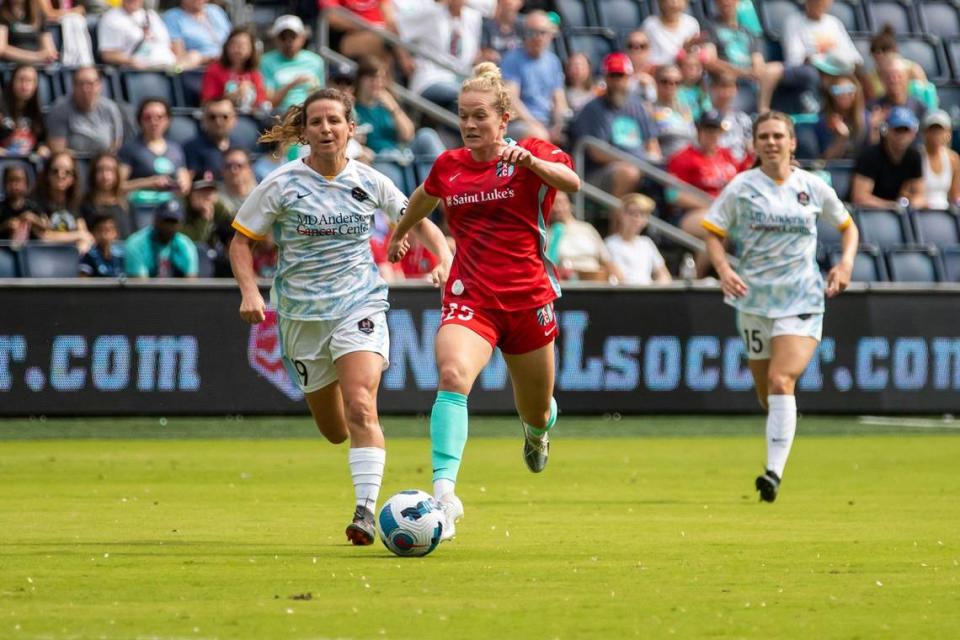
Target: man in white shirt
x,y
805,36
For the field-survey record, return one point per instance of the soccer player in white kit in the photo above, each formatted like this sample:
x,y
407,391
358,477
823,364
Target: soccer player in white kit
x,y
331,301
771,211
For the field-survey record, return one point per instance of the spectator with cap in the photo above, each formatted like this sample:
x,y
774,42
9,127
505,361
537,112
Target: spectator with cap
x,y
941,164
205,152
85,121
534,76
343,76
207,221
636,255
290,71
620,119
131,36
198,30
889,174
897,94
503,32
161,250
708,167
806,35
105,258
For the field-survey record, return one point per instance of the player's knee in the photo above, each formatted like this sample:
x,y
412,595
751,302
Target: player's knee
x,y
779,384
454,378
360,408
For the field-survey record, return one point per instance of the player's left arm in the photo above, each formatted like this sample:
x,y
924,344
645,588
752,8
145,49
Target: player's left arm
x,y
559,175
836,212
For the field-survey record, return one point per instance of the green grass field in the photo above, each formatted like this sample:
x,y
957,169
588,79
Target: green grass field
x,y
641,527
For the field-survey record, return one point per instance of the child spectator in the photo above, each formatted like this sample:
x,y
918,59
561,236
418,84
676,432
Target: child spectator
x,y
635,255
105,258
106,195
22,129
58,193
236,75
20,217
692,91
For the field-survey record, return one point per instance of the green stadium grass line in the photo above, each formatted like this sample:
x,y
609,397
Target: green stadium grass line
x,y
946,422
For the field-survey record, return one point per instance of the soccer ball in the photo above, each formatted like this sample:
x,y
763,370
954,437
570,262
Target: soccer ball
x,y
410,523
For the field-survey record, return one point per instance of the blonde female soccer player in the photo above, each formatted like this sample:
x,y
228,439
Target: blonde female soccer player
x,y
331,302
777,289
497,195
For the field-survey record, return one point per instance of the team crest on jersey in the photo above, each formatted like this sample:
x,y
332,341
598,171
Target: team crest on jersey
x,y
505,169
265,357
365,326
545,315
359,194
803,198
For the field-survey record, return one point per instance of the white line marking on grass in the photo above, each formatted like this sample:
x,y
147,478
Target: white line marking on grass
x,y
947,422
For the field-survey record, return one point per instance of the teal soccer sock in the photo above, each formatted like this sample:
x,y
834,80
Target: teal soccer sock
x,y
552,420
448,434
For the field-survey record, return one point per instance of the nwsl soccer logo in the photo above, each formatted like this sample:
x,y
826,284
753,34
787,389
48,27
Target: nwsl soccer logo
x,y
545,315
263,354
505,169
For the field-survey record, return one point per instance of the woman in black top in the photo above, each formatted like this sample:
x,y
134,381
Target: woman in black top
x,y
22,38
106,195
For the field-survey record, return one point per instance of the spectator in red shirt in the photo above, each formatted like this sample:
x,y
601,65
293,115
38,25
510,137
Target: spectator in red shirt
x,y
352,41
236,75
707,166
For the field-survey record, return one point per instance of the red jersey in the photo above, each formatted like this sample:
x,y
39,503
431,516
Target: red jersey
x,y
497,215
708,173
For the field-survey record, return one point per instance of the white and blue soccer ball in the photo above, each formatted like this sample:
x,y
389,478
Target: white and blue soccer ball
x,y
410,523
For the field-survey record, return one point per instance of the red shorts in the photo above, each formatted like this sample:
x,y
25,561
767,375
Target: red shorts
x,y
515,332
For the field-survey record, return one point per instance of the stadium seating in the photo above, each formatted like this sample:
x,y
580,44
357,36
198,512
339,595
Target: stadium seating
x,y
939,228
841,175
620,14
42,260
898,14
9,261
183,128
576,13
884,228
190,83
398,174
205,261
773,13
951,264
868,266
142,216
939,17
914,264
926,51
595,43
138,85
850,13
245,133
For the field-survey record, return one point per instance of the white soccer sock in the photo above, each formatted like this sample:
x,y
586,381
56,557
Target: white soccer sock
x,y
366,467
442,486
781,427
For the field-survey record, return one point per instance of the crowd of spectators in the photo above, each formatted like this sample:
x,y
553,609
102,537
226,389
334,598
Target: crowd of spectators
x,y
83,166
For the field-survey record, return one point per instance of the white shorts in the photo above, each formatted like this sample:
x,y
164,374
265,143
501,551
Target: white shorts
x,y
757,331
310,347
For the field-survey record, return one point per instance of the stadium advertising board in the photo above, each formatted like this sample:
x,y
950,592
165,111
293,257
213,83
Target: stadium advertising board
x,y
171,351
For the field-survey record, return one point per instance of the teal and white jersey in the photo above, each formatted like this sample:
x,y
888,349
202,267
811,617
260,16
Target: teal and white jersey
x,y
775,226
322,229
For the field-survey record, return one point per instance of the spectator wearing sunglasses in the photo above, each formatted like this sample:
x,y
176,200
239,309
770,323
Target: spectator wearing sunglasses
x,y
842,130
641,81
889,175
205,152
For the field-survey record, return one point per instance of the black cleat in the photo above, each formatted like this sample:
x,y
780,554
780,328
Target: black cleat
x,y
535,450
362,530
768,485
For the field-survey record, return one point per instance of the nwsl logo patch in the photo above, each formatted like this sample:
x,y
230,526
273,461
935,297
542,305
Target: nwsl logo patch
x,y
505,169
545,315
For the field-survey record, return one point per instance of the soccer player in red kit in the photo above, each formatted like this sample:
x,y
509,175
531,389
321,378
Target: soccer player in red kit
x,y
497,196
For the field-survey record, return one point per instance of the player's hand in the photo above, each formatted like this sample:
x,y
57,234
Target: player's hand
x,y
838,279
515,154
732,285
397,248
253,309
440,274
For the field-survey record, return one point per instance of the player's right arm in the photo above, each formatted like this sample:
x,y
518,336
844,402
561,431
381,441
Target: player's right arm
x,y
420,205
252,306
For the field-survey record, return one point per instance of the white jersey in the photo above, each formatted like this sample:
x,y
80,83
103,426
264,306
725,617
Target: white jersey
x,y
775,226
322,229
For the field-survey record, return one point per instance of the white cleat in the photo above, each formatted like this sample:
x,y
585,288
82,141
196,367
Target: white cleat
x,y
452,512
